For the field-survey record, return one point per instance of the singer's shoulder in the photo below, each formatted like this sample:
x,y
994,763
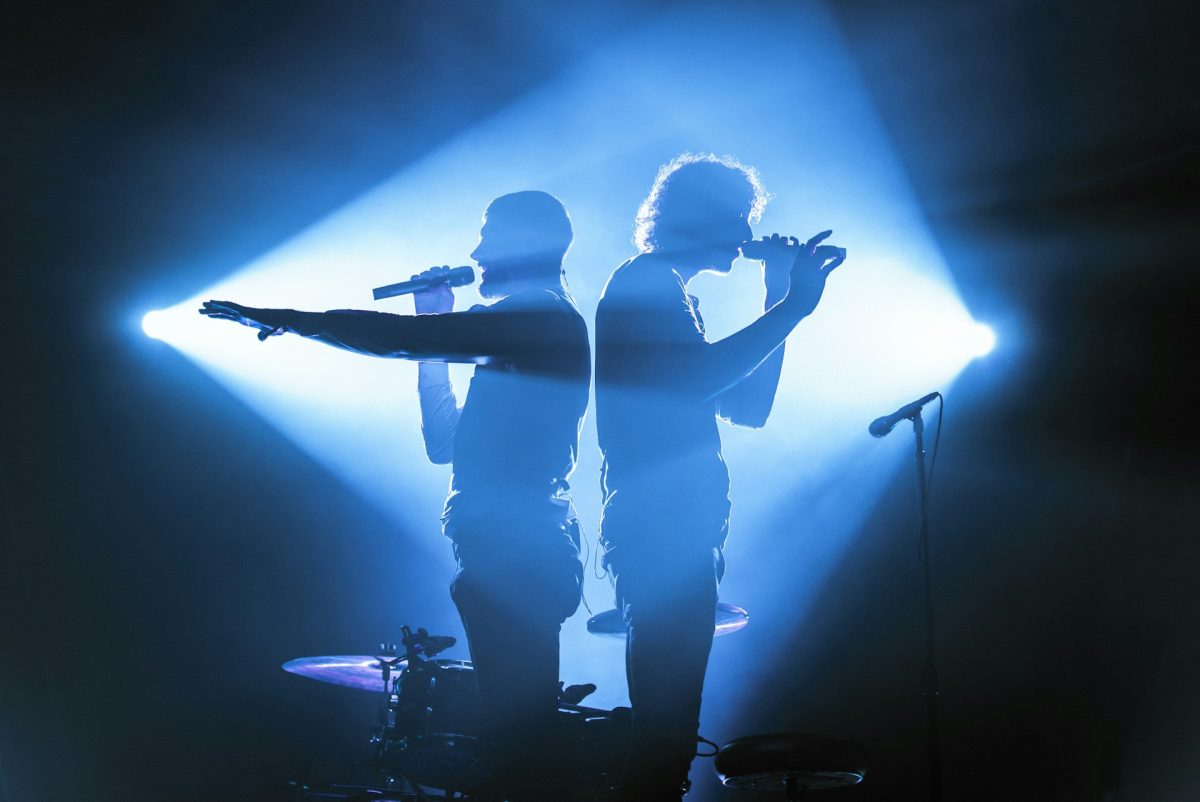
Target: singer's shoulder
x,y
538,301
645,278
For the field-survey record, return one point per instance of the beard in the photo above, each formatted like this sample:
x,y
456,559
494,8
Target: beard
x,y
497,281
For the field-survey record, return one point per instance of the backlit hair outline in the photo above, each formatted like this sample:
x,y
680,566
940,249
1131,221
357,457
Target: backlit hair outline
x,y
651,211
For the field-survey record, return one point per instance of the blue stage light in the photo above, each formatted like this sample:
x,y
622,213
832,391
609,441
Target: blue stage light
x,y
154,323
981,339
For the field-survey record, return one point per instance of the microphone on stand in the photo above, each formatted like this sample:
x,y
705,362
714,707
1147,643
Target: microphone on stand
x,y
455,277
880,427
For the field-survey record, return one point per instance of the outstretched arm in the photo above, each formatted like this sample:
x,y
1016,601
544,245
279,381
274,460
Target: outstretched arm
x,y
502,333
453,337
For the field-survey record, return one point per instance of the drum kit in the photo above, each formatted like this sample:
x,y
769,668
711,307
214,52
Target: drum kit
x,y
426,745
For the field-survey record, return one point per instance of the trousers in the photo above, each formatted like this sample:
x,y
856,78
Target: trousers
x,y
668,599
513,590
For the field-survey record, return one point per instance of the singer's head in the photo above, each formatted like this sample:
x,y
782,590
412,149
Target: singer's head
x,y
699,211
524,238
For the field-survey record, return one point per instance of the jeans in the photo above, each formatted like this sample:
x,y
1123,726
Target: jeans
x,y
513,589
668,598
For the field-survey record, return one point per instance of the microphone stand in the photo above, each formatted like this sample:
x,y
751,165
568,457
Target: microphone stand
x,y
929,677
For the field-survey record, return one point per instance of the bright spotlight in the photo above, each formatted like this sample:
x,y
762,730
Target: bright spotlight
x,y
981,340
154,324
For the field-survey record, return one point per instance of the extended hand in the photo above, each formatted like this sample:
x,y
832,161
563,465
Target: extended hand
x,y
812,267
269,322
436,299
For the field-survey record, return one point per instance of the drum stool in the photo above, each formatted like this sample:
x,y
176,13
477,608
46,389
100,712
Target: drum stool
x,y
793,762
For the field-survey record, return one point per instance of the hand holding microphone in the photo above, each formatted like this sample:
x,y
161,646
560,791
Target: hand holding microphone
x,y
435,296
435,276
794,269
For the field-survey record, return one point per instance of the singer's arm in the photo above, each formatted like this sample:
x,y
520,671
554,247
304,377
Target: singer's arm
x,y
439,408
439,411
749,402
482,335
654,341
451,337
742,370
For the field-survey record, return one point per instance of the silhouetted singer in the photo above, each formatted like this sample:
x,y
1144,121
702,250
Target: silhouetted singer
x,y
513,444
660,385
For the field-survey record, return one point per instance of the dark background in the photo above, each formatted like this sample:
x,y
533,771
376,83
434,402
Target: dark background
x,y
1054,149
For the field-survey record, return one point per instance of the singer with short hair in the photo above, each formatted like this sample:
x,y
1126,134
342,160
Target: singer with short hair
x,y
512,444
660,387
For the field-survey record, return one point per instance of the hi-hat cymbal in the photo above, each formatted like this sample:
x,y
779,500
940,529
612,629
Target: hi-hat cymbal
x,y
363,672
610,623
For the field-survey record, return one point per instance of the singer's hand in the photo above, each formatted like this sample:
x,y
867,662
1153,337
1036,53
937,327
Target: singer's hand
x,y
269,322
436,299
777,254
813,265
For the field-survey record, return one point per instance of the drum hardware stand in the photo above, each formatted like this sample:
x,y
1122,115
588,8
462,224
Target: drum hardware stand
x,y
929,677
388,661
383,736
418,646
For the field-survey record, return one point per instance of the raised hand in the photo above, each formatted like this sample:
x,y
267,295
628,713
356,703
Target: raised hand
x,y
778,254
436,299
269,322
814,262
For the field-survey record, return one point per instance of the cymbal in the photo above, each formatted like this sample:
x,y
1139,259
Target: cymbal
x,y
363,672
610,623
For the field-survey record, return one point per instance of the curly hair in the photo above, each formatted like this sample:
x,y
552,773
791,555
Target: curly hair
x,y
691,179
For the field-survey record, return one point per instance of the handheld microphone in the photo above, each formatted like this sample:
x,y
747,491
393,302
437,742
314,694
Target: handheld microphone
x,y
882,426
754,249
761,249
455,277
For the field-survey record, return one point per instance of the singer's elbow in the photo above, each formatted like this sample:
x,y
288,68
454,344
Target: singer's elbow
x,y
747,416
746,421
439,450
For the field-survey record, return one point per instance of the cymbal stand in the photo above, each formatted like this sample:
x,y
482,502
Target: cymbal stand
x,y
381,735
393,674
